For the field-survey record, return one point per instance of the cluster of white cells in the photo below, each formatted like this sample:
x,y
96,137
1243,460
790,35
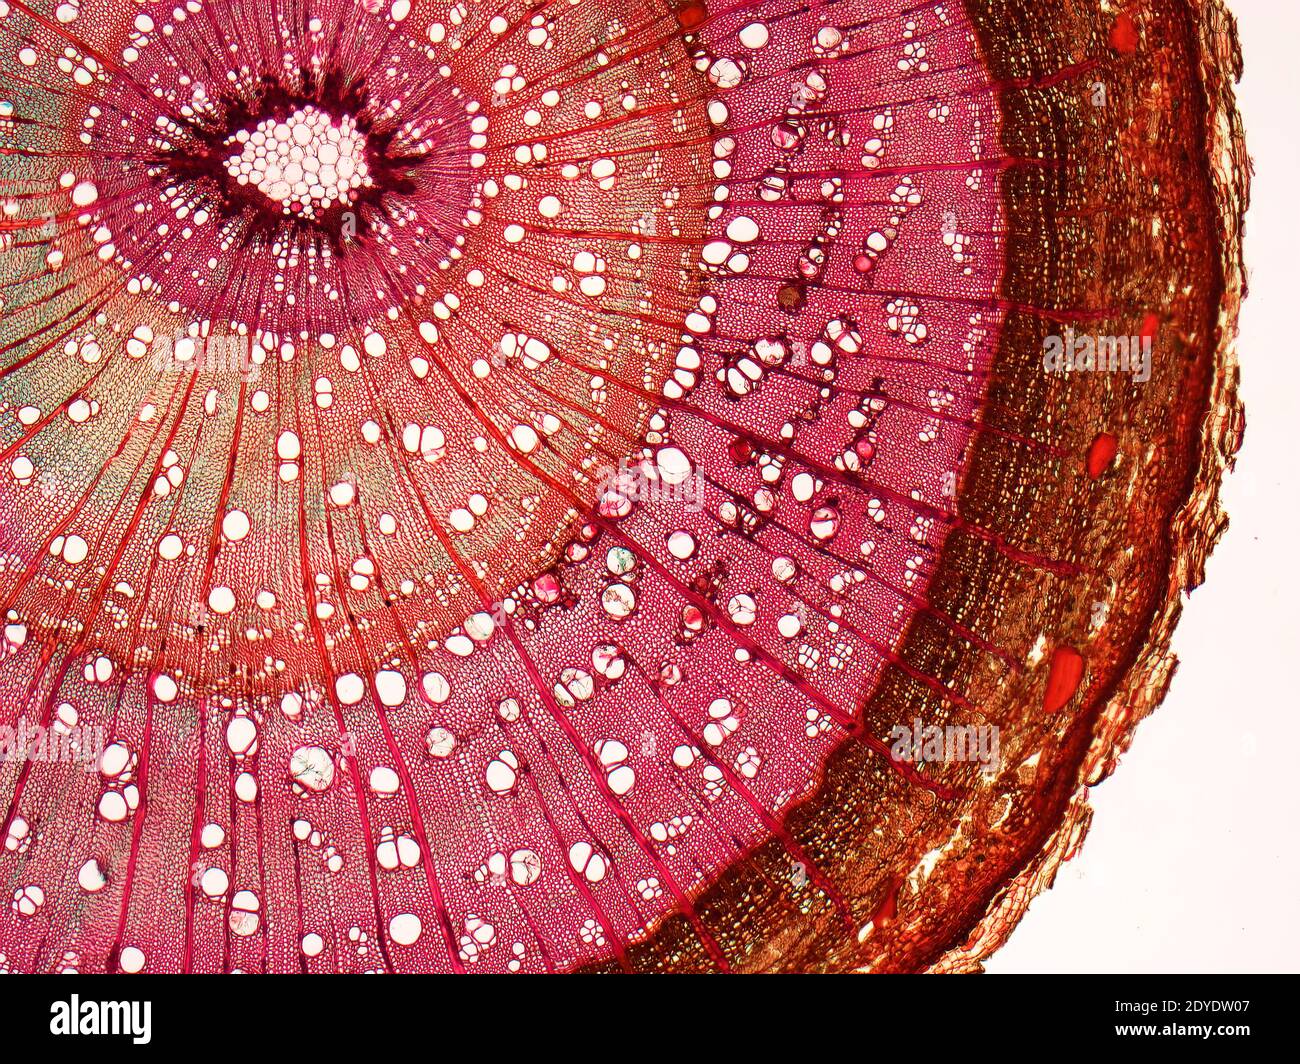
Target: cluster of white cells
x,y
306,163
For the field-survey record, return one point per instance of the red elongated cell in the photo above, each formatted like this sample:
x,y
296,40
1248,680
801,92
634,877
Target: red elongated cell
x,y
538,486
1063,678
1101,452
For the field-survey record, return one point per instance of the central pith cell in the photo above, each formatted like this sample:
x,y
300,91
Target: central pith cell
x,y
305,162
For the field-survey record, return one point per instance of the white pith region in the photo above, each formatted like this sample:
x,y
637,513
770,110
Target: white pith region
x,y
306,162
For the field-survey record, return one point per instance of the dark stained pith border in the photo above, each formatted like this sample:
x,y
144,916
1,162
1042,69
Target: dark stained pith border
x,y
1124,219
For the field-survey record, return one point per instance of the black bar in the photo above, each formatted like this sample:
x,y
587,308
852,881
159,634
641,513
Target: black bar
x,y
684,1017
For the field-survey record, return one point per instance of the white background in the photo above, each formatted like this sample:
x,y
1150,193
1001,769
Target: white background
x,y
1191,863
